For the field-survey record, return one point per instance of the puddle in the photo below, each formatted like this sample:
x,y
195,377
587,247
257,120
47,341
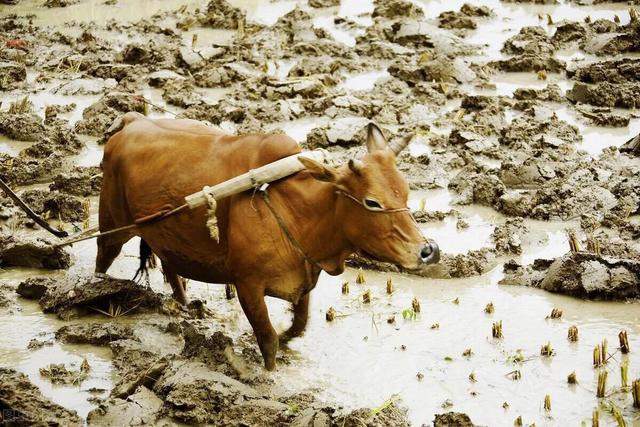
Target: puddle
x,y
363,81
358,360
298,129
91,155
207,37
597,138
11,146
19,328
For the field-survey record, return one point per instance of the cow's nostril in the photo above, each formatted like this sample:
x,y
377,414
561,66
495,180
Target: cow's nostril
x,y
425,251
430,253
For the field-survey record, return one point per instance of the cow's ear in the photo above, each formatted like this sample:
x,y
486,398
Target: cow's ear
x,y
318,170
375,138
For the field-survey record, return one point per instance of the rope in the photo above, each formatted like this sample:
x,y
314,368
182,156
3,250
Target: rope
x,y
212,220
146,220
294,242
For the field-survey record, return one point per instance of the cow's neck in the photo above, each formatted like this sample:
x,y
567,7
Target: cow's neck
x,y
320,233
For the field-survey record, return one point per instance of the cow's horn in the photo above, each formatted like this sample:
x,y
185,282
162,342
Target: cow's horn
x,y
400,144
356,166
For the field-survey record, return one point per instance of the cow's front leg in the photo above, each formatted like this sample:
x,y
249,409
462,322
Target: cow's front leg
x,y
300,317
252,301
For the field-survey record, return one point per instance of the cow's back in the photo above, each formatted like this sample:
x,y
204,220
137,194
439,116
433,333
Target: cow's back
x,y
151,165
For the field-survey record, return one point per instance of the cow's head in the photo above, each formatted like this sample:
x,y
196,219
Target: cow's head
x,y
372,204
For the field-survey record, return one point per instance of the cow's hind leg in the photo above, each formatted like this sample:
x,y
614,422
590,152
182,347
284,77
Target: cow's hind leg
x,y
300,316
108,249
252,302
176,282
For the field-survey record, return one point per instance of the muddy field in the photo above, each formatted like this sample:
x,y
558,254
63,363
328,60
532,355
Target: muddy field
x,y
519,168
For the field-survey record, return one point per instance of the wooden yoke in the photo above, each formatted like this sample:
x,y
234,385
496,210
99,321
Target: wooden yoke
x,y
254,178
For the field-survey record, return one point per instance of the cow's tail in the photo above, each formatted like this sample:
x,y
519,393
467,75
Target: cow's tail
x,y
145,260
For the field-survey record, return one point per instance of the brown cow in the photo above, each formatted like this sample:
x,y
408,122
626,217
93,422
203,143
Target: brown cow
x,y
318,218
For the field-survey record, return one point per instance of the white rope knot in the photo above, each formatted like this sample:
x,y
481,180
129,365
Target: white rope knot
x,y
212,220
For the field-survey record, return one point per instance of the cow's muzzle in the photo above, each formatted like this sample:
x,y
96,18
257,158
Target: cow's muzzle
x,y
430,253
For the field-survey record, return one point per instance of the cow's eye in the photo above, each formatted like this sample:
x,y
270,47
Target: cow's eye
x,y
372,204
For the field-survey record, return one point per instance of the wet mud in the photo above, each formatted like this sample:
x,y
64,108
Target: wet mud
x,y
522,163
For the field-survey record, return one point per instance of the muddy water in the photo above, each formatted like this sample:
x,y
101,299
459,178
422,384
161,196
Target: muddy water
x,y
361,359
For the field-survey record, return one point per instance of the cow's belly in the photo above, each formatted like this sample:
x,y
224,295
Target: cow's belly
x,y
209,271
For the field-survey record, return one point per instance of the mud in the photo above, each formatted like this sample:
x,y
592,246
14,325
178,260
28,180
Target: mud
x,y
81,182
97,118
58,373
23,404
582,275
54,205
21,126
73,296
517,118
473,263
451,419
10,73
94,333
31,252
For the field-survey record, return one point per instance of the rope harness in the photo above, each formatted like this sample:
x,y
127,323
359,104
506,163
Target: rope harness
x,y
296,244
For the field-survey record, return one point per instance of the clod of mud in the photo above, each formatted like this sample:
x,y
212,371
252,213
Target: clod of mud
x,y
151,54
201,341
81,181
344,132
29,252
196,59
604,117
614,83
136,365
551,93
59,139
539,129
10,73
22,403
21,126
557,188
614,71
58,373
94,333
59,3
220,14
394,9
475,184
440,69
54,205
72,296
452,419
530,40
7,298
581,275
194,393
97,118
632,146
473,263
391,416
51,112
324,3
141,408
75,87
508,236
25,171
529,62
423,172
623,95
118,72
456,20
